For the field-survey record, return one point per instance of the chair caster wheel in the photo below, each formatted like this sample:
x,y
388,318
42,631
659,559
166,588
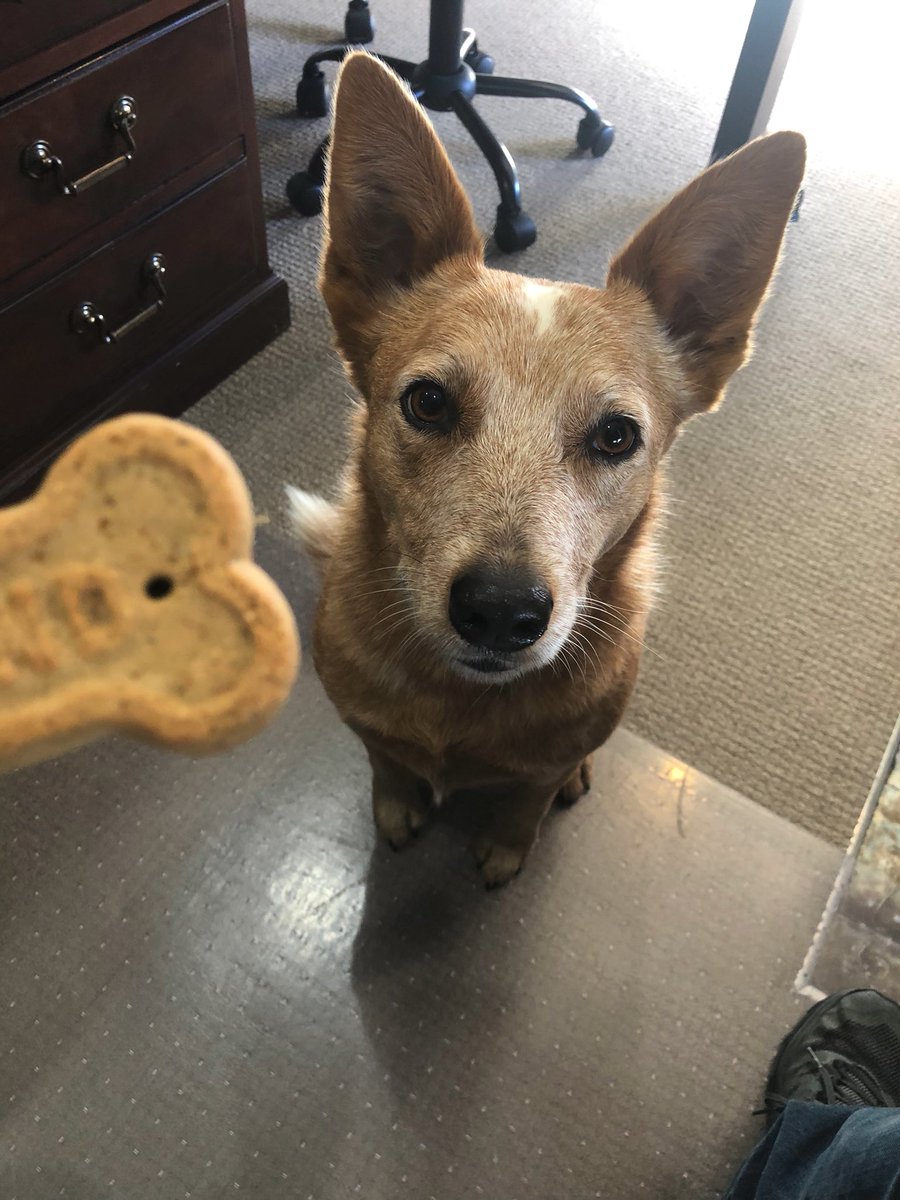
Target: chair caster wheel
x,y
304,194
481,64
595,135
359,28
312,95
602,140
515,232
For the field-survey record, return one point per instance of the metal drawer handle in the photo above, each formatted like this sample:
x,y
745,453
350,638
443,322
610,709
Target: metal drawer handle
x,y
39,160
86,318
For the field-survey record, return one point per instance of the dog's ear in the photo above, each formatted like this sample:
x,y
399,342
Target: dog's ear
x,y
394,208
705,260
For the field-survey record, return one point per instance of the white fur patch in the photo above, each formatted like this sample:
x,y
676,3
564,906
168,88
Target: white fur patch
x,y
312,517
540,300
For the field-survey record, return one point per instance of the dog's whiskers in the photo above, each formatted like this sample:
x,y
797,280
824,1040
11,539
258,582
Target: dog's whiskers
x,y
598,625
398,609
593,622
396,619
605,606
565,659
586,657
589,651
382,592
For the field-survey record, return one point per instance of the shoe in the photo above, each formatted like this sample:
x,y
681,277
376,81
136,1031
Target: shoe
x,y
845,1050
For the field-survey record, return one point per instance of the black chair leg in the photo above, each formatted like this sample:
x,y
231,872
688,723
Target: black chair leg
x,y
312,90
514,229
399,66
305,189
593,134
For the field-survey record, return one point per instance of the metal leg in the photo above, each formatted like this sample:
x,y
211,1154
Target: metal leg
x,y
593,132
514,229
445,36
332,54
501,85
758,75
312,93
499,158
399,65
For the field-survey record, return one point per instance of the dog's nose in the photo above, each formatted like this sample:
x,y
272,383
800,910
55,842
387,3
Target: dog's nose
x,y
499,612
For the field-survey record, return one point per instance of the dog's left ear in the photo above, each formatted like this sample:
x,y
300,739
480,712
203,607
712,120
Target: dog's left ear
x,y
394,209
705,260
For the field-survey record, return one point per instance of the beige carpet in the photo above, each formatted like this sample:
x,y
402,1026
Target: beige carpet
x,y
775,647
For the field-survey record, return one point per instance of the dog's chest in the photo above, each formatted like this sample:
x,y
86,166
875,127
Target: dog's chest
x,y
455,749
447,766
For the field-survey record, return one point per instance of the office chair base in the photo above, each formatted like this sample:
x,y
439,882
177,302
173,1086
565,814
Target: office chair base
x,y
455,71
437,91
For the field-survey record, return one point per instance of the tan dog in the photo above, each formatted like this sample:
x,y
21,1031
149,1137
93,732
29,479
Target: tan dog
x,y
488,569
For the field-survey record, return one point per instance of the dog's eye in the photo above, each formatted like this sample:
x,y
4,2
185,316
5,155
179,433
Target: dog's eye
x,y
614,437
426,405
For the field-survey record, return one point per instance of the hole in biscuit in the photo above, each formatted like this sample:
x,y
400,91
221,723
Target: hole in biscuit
x,y
159,586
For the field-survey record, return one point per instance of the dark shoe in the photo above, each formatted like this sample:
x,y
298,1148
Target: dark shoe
x,y
845,1050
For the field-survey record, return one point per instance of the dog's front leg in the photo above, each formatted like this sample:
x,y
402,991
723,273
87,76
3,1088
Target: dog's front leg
x,y
512,830
400,800
577,785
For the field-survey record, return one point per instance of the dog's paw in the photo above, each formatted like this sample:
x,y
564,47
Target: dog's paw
x,y
577,785
398,821
498,864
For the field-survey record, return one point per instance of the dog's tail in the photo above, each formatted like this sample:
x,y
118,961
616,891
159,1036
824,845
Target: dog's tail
x,y
315,522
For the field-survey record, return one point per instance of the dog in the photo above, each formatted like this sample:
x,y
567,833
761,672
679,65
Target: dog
x,y
487,571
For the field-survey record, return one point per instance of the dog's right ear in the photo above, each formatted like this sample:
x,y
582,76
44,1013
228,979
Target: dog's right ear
x,y
394,208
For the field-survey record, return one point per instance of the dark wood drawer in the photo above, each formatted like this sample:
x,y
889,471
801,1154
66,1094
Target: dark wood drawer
x,y
181,80
210,255
37,24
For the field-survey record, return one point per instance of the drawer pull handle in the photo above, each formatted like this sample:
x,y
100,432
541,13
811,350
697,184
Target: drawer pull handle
x,y
39,160
86,318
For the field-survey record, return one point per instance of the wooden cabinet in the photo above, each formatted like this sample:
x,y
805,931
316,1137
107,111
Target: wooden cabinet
x,y
133,266
44,23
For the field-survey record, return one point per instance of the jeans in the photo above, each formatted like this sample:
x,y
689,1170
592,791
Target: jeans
x,y
824,1152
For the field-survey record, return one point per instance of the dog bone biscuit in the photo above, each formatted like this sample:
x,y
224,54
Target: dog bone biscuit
x,y
129,601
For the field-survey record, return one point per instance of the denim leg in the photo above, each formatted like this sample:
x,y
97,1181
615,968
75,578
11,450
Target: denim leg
x,y
824,1152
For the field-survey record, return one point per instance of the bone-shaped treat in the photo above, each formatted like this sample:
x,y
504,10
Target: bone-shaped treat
x,y
129,601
